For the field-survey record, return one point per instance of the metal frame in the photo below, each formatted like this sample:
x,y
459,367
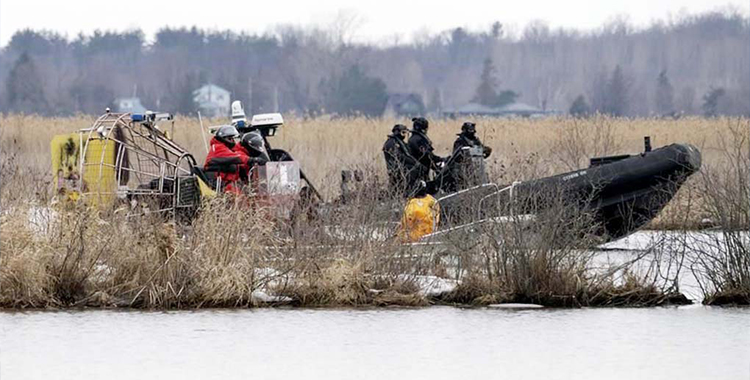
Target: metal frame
x,y
144,154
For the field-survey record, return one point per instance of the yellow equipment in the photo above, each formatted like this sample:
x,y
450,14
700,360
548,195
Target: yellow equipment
x,y
421,217
126,159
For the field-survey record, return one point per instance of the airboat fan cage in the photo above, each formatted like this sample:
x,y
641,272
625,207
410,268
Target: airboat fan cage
x,y
128,158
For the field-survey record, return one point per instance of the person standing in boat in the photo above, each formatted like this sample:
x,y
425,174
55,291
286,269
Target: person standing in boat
x,y
401,165
467,168
468,138
420,147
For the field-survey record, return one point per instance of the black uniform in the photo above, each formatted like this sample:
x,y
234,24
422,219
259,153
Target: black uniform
x,y
466,140
464,170
420,147
400,163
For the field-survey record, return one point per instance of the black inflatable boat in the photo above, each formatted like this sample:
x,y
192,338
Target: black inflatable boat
x,y
622,193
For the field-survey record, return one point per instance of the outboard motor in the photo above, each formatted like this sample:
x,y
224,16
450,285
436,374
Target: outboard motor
x,y
465,169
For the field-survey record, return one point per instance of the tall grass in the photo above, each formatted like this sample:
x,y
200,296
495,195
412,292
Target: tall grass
x,y
722,258
347,253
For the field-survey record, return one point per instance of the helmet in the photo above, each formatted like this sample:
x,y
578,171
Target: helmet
x,y
469,128
254,141
399,130
226,134
420,124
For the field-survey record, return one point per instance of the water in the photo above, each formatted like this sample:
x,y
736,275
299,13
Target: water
x,y
692,342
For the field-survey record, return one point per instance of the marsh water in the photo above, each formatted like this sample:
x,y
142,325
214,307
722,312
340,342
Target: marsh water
x,y
689,342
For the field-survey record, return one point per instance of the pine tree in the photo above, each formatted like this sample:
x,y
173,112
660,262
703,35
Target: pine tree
x,y
486,93
357,93
579,108
664,94
711,101
24,87
617,94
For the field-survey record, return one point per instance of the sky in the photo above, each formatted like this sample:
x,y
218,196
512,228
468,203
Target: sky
x,y
375,21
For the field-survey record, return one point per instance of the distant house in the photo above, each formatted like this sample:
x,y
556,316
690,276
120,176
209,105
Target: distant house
x,y
129,105
404,105
509,110
212,100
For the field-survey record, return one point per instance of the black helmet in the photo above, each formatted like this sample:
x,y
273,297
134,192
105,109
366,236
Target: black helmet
x,y
420,124
253,141
469,128
399,130
226,134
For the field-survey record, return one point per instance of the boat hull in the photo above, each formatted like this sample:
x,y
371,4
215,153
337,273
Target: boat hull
x,y
621,196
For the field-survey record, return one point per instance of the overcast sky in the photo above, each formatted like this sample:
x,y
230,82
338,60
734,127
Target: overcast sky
x,y
376,20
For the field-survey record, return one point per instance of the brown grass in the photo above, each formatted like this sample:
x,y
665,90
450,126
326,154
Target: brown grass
x,y
79,257
324,146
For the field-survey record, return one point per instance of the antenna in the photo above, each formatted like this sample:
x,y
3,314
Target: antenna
x,y
203,132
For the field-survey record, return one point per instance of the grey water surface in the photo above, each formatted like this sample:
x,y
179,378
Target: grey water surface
x,y
690,342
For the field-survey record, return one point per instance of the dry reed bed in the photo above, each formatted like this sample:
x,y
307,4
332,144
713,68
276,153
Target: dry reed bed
x,y
229,256
325,145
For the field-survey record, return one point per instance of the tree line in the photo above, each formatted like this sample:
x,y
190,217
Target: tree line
x,y
697,64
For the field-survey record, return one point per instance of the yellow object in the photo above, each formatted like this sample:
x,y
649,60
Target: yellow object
x,y
99,171
206,191
66,152
421,217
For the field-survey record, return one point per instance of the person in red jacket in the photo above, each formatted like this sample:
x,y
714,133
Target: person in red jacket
x,y
223,159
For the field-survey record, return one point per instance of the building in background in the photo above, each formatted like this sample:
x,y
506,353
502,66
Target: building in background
x,y
212,100
404,105
508,110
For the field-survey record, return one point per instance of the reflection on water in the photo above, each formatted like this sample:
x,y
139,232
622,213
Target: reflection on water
x,y
692,342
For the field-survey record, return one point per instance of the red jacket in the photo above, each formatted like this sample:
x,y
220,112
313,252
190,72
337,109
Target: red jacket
x,y
238,148
226,162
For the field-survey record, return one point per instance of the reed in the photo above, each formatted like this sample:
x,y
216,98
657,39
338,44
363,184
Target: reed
x,y
55,255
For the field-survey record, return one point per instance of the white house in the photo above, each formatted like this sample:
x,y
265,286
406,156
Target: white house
x,y
212,100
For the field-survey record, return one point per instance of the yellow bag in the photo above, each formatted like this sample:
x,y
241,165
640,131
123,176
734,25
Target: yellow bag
x,y
421,217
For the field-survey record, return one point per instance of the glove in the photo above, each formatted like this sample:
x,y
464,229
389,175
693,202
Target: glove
x,y
487,151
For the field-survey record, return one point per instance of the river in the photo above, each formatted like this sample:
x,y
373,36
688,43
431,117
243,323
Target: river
x,y
689,342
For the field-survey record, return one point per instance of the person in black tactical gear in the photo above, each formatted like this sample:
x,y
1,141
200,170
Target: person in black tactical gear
x,y
420,147
468,138
467,167
400,163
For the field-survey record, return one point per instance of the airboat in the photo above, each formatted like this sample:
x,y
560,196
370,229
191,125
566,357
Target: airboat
x,y
130,161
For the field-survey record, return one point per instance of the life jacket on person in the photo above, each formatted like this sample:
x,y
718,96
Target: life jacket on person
x,y
421,217
225,161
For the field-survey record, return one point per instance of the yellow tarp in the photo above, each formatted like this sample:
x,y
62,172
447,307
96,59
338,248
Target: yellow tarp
x,y
421,217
